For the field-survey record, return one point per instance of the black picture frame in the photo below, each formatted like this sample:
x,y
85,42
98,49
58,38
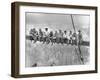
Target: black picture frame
x,y
15,39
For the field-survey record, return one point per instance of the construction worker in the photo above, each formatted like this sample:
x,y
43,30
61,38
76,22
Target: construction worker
x,y
31,33
51,36
70,37
65,37
60,36
40,35
80,37
74,38
34,34
55,37
46,36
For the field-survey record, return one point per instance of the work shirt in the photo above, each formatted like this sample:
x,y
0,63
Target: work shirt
x,y
80,37
60,35
65,35
40,34
74,36
55,35
46,34
70,36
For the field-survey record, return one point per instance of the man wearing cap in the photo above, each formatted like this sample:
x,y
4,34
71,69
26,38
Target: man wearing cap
x,y
65,37
40,35
70,37
51,36
34,34
74,38
60,36
46,35
80,37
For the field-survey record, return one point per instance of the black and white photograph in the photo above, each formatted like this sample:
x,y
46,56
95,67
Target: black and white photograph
x,y
56,39
52,39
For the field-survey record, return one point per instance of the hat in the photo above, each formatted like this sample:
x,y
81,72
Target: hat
x,y
79,30
65,31
46,28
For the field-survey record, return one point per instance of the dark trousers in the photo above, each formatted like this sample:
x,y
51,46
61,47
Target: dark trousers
x,y
65,40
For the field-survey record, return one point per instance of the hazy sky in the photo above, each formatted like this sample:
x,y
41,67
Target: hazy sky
x,y
58,21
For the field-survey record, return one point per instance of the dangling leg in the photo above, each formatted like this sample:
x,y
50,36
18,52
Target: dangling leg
x,y
44,39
